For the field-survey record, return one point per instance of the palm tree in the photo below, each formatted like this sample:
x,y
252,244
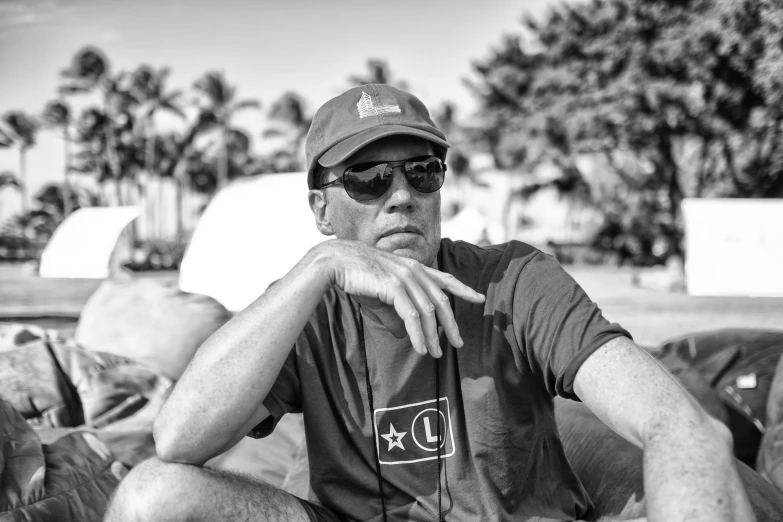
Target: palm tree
x,y
290,122
175,162
88,72
220,101
378,71
57,114
149,87
20,130
9,179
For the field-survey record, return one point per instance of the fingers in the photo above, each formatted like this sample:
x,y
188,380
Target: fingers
x,y
419,290
408,312
425,304
454,286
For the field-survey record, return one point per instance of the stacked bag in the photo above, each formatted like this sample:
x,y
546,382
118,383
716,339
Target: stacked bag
x,y
76,414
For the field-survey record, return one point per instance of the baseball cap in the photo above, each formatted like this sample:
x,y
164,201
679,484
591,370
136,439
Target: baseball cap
x,y
360,116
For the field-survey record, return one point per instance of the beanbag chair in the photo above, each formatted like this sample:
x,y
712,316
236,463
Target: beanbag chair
x,y
60,388
770,458
54,383
150,322
610,468
70,479
738,365
279,459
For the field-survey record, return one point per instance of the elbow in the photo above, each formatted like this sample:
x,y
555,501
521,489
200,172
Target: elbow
x,y
166,451
165,444
720,432
169,447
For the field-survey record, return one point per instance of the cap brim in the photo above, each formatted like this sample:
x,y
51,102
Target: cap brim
x,y
350,146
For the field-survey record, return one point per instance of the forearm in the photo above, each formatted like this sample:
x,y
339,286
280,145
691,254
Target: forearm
x,y
690,473
234,370
689,470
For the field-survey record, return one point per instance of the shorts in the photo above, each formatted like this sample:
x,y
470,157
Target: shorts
x,y
318,513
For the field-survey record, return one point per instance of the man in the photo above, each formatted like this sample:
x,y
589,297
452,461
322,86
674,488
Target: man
x,y
425,368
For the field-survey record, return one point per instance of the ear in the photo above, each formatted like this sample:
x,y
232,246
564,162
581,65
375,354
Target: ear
x,y
318,205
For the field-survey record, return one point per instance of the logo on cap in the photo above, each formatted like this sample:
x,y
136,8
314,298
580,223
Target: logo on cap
x,y
366,107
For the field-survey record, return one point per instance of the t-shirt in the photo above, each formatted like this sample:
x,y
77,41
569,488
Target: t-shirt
x,y
501,455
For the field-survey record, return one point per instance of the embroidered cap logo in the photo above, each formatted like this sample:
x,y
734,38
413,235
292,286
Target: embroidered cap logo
x,y
367,108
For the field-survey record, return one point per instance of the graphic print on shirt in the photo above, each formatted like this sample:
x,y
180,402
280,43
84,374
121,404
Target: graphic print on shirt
x,y
407,434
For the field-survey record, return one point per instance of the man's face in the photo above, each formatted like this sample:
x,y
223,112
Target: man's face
x,y
402,221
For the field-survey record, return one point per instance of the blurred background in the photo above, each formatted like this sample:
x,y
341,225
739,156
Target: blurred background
x,y
152,185
578,127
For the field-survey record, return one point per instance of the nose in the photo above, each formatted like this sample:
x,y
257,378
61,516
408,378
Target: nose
x,y
400,192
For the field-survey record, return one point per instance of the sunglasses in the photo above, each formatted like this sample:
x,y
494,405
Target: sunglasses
x,y
368,181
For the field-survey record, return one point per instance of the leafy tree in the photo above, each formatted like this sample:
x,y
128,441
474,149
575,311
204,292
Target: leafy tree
x,y
57,115
9,179
378,71
219,101
51,198
678,98
103,130
148,85
176,155
19,130
289,122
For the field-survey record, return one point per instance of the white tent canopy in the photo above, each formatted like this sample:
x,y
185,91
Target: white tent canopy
x,y
83,244
734,247
251,234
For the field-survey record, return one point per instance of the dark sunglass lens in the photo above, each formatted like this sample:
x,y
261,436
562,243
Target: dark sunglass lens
x,y
367,182
425,176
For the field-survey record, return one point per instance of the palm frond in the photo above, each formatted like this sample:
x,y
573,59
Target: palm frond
x,y
74,89
6,141
9,179
245,104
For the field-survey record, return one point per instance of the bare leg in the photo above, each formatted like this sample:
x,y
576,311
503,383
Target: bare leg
x,y
161,491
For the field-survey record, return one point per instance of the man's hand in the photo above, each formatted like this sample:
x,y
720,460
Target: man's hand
x,y
403,294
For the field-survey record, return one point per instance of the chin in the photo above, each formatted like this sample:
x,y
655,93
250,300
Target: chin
x,y
423,253
416,255
421,248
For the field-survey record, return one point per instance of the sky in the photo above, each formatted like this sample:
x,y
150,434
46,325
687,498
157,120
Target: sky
x,y
263,47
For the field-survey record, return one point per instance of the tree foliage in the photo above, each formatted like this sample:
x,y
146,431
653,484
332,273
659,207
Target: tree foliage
x,y
289,123
677,98
378,71
219,100
19,129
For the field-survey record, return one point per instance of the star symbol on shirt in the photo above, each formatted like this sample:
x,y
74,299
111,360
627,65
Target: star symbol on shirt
x,y
394,437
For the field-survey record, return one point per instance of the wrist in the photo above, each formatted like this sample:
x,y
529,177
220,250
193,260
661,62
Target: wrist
x,y
320,263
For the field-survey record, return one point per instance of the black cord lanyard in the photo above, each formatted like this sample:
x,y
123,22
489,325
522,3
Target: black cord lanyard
x,y
372,419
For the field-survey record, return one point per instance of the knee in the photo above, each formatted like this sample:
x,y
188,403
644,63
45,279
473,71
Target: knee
x,y
146,493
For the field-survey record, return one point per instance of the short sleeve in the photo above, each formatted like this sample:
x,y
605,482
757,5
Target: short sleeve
x,y
556,324
284,397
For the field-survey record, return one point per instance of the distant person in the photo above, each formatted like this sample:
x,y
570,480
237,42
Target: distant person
x,y
425,368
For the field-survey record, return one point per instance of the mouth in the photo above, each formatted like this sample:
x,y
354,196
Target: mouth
x,y
401,230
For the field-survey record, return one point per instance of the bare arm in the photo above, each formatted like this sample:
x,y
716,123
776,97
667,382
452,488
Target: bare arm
x,y
689,470
219,397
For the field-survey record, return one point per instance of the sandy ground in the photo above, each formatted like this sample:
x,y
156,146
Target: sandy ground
x,y
652,316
